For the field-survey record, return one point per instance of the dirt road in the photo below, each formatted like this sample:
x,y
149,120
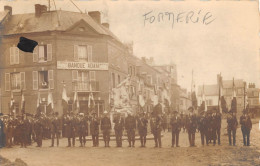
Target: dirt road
x,y
166,156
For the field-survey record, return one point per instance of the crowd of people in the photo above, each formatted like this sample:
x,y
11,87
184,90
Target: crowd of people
x,y
26,129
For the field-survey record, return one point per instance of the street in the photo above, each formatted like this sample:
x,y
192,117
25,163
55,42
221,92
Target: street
x,y
166,156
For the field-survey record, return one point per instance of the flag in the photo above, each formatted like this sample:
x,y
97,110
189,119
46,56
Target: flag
x,y
234,100
65,100
12,103
204,100
38,110
91,101
50,104
22,103
26,45
76,100
141,100
222,101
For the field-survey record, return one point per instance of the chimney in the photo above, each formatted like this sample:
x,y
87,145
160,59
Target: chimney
x,y
95,16
106,25
9,8
39,9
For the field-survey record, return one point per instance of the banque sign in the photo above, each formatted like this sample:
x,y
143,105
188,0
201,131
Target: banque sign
x,y
82,65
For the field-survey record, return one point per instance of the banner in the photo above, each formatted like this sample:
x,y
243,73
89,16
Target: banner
x,y
81,65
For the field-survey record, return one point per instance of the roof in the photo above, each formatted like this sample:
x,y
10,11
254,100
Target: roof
x,y
209,90
229,83
3,15
48,21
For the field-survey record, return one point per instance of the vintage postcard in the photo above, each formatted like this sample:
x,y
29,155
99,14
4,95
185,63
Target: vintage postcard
x,y
129,83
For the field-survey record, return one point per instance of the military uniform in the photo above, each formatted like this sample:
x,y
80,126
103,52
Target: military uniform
x,y
9,132
231,128
202,126
218,118
94,129
106,128
246,126
156,128
2,136
70,123
24,132
38,130
119,127
191,127
55,129
82,129
176,128
142,129
130,126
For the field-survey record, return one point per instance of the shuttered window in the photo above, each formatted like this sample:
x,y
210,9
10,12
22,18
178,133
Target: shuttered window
x,y
35,54
23,80
90,59
92,75
76,56
14,55
35,80
7,81
49,52
74,75
51,79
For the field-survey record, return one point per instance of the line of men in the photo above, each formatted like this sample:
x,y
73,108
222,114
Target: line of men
x,y
23,130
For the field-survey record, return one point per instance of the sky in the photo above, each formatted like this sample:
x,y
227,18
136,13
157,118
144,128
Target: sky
x,y
228,44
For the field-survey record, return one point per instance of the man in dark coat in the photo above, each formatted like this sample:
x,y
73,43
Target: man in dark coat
x,y
246,126
38,130
176,128
191,126
130,126
218,118
202,126
142,128
82,129
156,128
232,127
2,134
119,128
70,122
55,128
94,129
106,128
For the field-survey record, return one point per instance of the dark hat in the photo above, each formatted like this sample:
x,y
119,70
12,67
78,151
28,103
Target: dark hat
x,y
190,108
1,114
56,113
175,112
26,45
244,111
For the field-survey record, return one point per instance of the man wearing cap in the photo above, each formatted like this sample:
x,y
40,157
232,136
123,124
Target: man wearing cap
x,y
38,130
2,136
191,126
55,128
246,126
70,129
232,127
217,123
202,126
119,128
94,130
82,129
176,128
130,126
106,128
142,128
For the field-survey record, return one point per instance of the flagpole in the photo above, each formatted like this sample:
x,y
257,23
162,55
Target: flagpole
x,y
219,90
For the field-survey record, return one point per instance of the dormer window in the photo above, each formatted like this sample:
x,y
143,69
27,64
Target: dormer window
x,y
81,29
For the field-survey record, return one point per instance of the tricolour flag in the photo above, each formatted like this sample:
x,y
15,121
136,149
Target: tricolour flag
x,y
234,100
91,101
76,101
22,103
50,104
65,100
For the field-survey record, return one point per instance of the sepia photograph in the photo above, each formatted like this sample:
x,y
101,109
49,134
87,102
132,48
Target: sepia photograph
x,y
129,83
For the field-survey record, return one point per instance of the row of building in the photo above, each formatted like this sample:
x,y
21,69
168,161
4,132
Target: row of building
x,y
79,52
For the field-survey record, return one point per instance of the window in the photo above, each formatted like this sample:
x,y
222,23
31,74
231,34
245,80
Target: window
x,y
113,80
83,52
42,53
14,55
14,81
43,79
149,79
256,94
130,70
118,79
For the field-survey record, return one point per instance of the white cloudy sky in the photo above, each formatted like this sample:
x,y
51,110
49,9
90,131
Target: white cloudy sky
x,y
229,45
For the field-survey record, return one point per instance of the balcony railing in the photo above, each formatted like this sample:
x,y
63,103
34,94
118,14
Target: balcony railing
x,y
84,86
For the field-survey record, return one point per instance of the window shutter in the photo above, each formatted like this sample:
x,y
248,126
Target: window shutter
x,y
35,80
7,81
74,75
89,53
11,55
49,52
51,79
92,75
35,54
22,80
76,56
16,55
